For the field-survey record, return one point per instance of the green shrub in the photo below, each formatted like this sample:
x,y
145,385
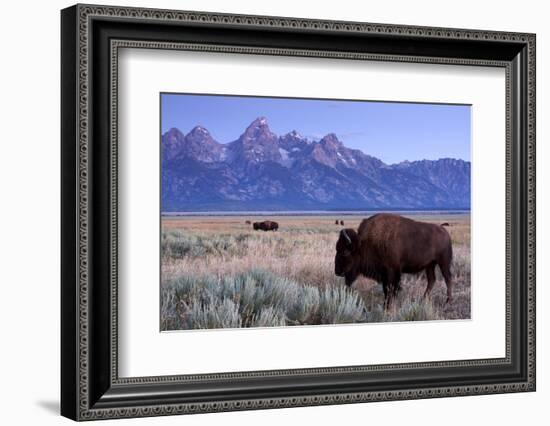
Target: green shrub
x,y
377,314
254,299
168,311
310,230
340,305
177,245
269,317
417,311
215,314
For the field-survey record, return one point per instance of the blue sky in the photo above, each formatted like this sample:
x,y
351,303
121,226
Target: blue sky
x,y
390,131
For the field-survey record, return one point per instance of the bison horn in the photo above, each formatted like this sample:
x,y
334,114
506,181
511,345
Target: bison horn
x,y
345,234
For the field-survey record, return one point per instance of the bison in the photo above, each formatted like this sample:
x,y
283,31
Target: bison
x,y
387,245
336,222
247,222
342,222
266,225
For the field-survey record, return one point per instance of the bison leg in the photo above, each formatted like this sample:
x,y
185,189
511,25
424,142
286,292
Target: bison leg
x,y
387,295
446,271
430,276
396,284
391,287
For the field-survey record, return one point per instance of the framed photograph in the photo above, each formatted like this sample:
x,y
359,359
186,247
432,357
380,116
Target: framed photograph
x,y
263,212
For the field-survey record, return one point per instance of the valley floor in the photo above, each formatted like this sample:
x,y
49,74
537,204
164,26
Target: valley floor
x,y
217,272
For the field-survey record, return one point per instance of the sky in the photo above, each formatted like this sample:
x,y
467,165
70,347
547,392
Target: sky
x,y
390,131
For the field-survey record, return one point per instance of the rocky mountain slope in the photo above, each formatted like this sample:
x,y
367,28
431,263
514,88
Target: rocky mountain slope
x,y
263,171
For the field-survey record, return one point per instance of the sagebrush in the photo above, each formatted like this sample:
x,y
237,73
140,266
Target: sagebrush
x,y
254,299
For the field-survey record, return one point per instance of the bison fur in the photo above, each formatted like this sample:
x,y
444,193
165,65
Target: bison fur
x,y
387,245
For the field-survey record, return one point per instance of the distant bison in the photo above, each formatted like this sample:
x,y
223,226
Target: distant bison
x,y
387,245
266,225
342,222
247,222
336,222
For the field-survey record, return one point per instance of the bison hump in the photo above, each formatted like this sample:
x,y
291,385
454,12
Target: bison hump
x,y
380,229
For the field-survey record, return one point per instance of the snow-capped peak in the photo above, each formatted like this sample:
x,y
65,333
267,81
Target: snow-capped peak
x,y
258,122
199,131
258,129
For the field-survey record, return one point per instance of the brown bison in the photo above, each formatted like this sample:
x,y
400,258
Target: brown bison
x,y
247,222
342,222
336,222
266,225
387,245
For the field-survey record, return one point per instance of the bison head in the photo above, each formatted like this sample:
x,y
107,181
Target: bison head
x,y
346,249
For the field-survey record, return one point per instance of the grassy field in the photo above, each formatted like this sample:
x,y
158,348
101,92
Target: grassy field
x,y
217,272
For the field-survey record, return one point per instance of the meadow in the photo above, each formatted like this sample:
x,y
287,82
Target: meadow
x,y
217,272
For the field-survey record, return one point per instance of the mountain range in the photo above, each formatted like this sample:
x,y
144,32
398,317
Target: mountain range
x,y
263,171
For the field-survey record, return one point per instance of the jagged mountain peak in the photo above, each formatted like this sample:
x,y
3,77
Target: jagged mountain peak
x,y
441,162
258,144
294,142
260,121
258,128
199,131
172,143
200,139
261,170
173,130
295,135
197,144
331,140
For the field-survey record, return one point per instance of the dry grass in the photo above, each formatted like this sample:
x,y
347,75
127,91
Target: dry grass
x,y
302,252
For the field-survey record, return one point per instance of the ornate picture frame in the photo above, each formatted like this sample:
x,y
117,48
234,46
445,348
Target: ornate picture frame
x,y
91,37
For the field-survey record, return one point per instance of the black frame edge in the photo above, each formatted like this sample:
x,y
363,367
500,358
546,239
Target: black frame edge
x,y
69,319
